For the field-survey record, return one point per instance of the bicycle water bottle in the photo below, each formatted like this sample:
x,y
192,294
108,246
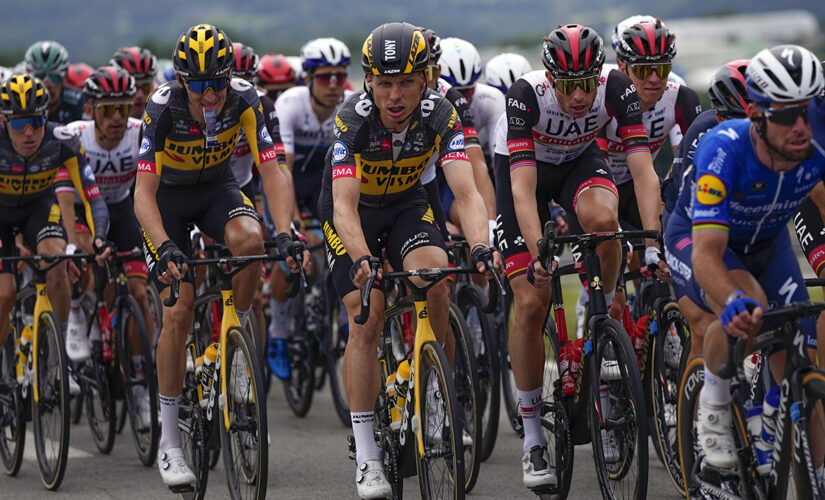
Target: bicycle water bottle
x,y
24,348
765,444
569,367
106,334
395,415
764,451
205,368
402,382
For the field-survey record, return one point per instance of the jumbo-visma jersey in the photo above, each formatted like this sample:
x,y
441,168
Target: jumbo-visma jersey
x,y
363,147
736,193
174,146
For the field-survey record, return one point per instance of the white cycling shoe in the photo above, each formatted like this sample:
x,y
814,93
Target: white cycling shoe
x,y
173,468
77,343
371,481
714,435
239,380
536,471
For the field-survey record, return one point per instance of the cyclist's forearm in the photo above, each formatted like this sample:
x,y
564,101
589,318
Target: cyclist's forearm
x,y
279,193
471,212
646,187
65,200
483,182
146,208
526,208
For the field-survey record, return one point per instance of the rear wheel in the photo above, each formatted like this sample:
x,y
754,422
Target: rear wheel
x,y
554,418
98,401
300,387
12,421
193,424
466,386
335,343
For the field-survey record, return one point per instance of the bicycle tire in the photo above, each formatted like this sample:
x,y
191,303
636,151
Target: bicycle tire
x,y
51,412
388,443
804,475
246,472
98,401
12,418
156,311
466,384
300,387
146,437
193,425
335,343
662,390
627,408
508,382
439,395
482,331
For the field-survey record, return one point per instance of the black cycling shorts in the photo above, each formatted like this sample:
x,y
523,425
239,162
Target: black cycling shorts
x,y
37,221
124,232
560,183
399,228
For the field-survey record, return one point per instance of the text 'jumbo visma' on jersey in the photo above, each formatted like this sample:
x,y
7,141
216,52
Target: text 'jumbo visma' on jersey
x,y
363,147
174,145
538,129
734,192
26,180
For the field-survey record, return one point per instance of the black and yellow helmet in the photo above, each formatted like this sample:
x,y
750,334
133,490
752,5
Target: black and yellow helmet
x,y
23,94
203,52
394,48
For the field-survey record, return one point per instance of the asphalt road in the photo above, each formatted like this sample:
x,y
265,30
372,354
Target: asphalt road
x,y
308,460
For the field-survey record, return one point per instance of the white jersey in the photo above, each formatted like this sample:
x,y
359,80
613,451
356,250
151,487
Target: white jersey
x,y
114,169
241,162
501,135
487,105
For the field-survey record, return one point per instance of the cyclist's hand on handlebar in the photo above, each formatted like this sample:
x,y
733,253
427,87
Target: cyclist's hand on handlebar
x,y
741,316
559,215
74,271
481,254
170,257
537,275
103,251
654,256
360,271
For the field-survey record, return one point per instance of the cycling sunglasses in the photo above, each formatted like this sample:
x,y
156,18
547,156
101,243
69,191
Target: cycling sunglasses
x,y
52,78
21,122
326,78
568,85
147,86
431,72
109,109
786,116
644,70
201,86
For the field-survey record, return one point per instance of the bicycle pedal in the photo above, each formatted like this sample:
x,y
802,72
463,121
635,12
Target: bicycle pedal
x,y
182,488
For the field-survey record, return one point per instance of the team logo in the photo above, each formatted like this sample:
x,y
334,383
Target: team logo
x,y
264,134
145,146
710,190
758,186
161,95
339,151
457,143
88,173
240,84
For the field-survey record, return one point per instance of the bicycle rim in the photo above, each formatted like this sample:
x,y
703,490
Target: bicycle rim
x,y
440,470
300,387
508,382
51,413
100,407
140,382
619,417
555,421
12,421
245,447
192,424
466,385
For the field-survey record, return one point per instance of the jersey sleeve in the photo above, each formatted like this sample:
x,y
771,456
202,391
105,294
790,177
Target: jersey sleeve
x,y
253,123
462,107
283,110
688,108
522,113
622,103
274,126
156,125
450,132
713,160
348,124
83,180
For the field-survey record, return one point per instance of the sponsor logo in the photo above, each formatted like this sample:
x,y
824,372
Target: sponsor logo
x,y
161,95
64,133
363,107
145,146
348,171
339,151
633,106
264,134
427,107
269,154
729,133
333,241
677,265
457,143
758,186
516,121
711,212
88,173
718,160
710,190
339,124
628,91
541,88
516,104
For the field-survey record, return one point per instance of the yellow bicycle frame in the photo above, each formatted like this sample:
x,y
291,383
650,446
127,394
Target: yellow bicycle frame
x,y
41,305
229,318
423,334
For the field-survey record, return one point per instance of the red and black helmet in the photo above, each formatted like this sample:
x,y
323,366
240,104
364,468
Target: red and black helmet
x,y
728,90
76,75
109,81
573,51
246,60
646,42
274,68
138,62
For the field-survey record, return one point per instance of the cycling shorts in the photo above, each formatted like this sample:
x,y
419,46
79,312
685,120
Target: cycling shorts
x,y
37,221
124,232
562,183
398,228
775,267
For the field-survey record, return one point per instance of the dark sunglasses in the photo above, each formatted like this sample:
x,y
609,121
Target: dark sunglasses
x,y
786,116
326,78
201,86
568,85
53,78
644,70
108,110
147,87
21,122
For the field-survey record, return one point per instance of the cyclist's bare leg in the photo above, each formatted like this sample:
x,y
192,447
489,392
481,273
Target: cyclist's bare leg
x,y
84,244
8,294
597,210
57,286
699,320
137,288
438,297
526,345
362,380
243,237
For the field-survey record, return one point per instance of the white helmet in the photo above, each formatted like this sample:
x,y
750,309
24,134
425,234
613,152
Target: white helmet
x,y
460,63
297,64
504,69
785,73
626,23
324,52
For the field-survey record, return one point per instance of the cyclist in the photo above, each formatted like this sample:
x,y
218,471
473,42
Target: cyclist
x,y
553,118
728,99
143,66
385,136
305,117
190,130
275,75
504,69
734,253
76,75
111,140
47,61
31,155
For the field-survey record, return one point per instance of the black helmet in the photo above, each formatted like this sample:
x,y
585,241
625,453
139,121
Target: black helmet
x,y
572,51
23,94
646,42
433,41
109,81
203,52
728,93
394,48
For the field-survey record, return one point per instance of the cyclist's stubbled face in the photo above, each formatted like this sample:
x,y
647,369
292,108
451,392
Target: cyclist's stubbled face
x,y
576,103
792,141
328,84
25,142
397,96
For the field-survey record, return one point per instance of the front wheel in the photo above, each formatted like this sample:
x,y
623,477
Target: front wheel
x,y
466,386
441,467
12,420
335,343
51,411
98,400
